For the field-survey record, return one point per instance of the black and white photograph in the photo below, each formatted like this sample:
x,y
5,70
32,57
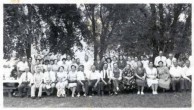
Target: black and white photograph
x,y
97,55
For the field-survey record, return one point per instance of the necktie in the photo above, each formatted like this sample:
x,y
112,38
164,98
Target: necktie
x,y
26,76
106,75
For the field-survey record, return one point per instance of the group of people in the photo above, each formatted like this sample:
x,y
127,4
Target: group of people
x,y
82,76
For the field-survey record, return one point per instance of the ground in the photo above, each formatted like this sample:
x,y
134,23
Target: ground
x,y
123,100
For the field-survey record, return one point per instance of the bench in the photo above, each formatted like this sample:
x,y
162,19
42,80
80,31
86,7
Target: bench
x,y
9,86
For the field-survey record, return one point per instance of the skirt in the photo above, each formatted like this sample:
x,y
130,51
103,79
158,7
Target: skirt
x,y
152,81
164,83
61,85
140,82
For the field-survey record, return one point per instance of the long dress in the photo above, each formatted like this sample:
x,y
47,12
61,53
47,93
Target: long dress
x,y
72,79
163,73
128,83
140,72
151,76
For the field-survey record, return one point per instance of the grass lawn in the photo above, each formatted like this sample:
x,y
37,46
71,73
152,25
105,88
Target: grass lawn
x,y
123,100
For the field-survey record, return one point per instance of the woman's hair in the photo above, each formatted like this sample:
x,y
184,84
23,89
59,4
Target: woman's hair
x,y
73,66
160,62
108,59
60,67
81,66
64,59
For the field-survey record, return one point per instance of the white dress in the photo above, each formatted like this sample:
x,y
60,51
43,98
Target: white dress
x,y
72,79
62,80
151,76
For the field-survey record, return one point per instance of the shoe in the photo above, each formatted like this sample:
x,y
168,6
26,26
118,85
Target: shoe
x,y
78,95
142,93
33,97
84,95
138,92
90,96
153,92
156,92
116,93
72,96
39,97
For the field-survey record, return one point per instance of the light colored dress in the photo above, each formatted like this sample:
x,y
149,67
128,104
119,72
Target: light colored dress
x,y
163,73
72,77
62,80
151,76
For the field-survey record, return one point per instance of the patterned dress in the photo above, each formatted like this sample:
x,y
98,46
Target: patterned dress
x,y
130,84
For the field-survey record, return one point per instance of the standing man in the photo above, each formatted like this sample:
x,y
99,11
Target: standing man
x,y
169,61
21,67
160,58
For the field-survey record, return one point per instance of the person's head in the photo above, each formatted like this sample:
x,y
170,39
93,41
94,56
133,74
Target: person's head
x,y
26,69
81,68
23,59
49,69
132,58
136,59
160,53
142,57
114,58
121,57
61,68
86,58
187,63
55,61
37,61
73,60
52,62
30,59
181,63
46,62
129,58
108,60
73,68
140,64
170,55
115,65
68,57
128,66
145,58
175,63
160,63
93,68
38,69
151,64
64,60
78,61
105,66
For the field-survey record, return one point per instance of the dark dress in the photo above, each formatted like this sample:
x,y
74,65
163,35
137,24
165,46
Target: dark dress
x,y
130,84
121,64
140,72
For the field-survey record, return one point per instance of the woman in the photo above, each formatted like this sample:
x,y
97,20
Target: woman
x,y
134,64
164,76
121,62
61,82
72,80
152,81
128,77
109,63
55,67
140,77
117,76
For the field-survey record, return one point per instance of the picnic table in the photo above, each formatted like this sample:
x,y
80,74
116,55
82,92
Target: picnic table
x,y
9,86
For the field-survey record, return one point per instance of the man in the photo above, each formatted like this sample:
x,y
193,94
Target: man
x,y
82,82
38,80
87,65
186,76
94,78
106,79
21,67
169,61
30,65
80,53
25,82
160,58
68,62
175,72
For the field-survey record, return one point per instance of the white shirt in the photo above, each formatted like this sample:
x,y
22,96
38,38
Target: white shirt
x,y
80,54
169,62
68,64
22,66
50,76
26,77
175,71
94,75
87,67
60,63
145,63
158,58
38,78
186,71
103,73
80,75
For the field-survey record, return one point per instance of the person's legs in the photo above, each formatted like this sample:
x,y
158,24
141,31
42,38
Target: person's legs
x,y
138,89
73,91
86,87
79,87
52,87
173,82
182,83
156,88
142,88
20,89
40,91
28,91
153,88
33,90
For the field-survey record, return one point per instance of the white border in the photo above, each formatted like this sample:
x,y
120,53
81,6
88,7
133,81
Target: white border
x,y
78,2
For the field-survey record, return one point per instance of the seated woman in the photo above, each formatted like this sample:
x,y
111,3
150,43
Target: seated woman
x,y
94,78
37,83
140,74
152,80
164,76
187,76
72,80
61,82
49,80
128,79
116,77
82,83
